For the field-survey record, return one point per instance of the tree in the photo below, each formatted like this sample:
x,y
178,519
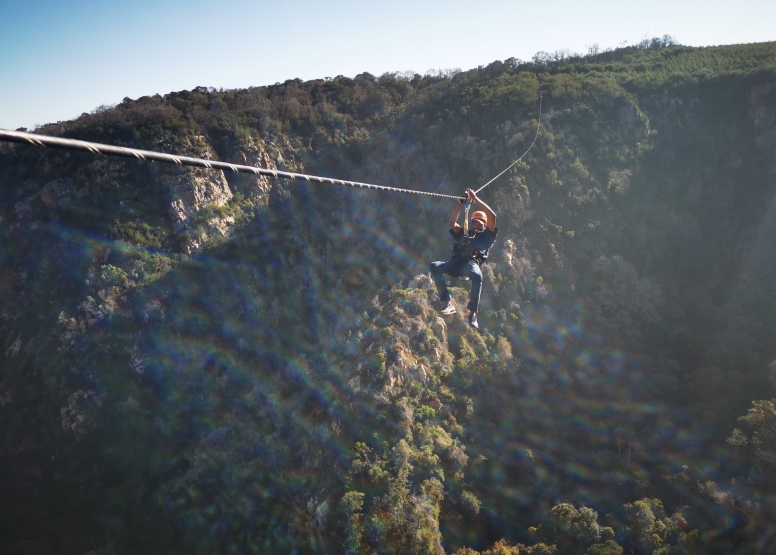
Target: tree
x,y
572,530
756,440
653,532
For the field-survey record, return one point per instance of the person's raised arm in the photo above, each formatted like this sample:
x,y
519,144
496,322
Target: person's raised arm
x,y
454,218
485,208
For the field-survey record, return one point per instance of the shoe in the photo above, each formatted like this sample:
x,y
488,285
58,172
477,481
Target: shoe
x,y
471,319
448,309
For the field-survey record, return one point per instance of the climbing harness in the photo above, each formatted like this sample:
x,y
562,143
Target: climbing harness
x,y
97,148
538,125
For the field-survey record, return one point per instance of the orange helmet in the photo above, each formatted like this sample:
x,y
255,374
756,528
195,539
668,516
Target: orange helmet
x,y
480,215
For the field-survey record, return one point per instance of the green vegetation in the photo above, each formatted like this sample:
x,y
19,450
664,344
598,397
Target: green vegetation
x,y
212,363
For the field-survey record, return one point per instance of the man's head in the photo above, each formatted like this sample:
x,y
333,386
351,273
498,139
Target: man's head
x,y
479,220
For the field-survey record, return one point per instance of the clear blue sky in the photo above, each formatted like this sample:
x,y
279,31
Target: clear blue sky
x,y
59,58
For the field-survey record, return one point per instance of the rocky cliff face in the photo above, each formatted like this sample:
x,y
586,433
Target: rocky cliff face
x,y
196,194
191,189
254,152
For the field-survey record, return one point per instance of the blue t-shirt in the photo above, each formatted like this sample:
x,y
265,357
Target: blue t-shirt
x,y
476,244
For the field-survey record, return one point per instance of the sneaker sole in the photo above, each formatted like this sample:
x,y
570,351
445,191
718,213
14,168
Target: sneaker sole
x,y
448,312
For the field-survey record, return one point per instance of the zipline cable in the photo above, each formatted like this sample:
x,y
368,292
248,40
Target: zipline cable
x,y
97,148
538,125
109,150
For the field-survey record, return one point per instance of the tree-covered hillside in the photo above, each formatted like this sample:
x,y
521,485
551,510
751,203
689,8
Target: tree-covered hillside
x,y
201,362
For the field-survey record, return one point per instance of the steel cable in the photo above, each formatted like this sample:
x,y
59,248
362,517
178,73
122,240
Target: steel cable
x,y
97,148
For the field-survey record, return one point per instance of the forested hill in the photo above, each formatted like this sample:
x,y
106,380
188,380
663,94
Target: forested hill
x,y
200,362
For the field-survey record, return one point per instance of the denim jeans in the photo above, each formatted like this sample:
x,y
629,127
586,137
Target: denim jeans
x,y
458,267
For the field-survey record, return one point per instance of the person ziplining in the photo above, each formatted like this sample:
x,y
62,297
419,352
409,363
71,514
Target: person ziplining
x,y
470,250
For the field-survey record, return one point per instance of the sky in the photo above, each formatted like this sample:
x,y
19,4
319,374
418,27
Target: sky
x,y
60,58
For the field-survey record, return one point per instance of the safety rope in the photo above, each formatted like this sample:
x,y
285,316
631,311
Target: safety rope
x,y
97,148
538,125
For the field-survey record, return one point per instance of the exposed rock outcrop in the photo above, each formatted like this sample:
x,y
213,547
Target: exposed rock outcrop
x,y
253,152
193,189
